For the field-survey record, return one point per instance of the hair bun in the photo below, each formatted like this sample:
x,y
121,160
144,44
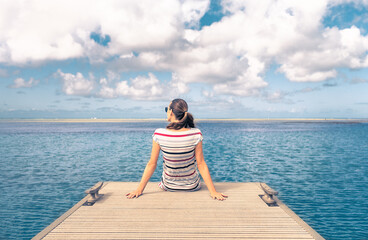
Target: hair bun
x,y
180,110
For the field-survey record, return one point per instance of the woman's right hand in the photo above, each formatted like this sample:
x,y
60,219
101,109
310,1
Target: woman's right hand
x,y
133,194
219,196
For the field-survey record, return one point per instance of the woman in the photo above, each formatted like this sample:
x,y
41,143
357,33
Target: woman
x,y
181,146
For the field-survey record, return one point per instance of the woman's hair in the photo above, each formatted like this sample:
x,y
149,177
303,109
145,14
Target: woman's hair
x,y
180,109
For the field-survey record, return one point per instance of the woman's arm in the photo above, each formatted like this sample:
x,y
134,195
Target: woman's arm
x,y
203,169
149,170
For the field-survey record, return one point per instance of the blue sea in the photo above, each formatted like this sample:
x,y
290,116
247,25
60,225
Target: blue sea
x,y
319,168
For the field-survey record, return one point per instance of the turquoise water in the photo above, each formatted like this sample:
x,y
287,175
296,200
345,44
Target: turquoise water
x,y
319,169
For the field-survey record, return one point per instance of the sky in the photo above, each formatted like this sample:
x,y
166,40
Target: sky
x,y
227,59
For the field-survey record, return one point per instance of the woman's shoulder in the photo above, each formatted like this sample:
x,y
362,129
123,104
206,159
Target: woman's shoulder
x,y
160,130
196,130
165,130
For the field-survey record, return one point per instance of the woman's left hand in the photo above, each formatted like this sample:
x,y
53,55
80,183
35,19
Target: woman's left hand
x,y
219,196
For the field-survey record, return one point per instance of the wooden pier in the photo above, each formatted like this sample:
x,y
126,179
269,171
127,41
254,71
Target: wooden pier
x,y
158,214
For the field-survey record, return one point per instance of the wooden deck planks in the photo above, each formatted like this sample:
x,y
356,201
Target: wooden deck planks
x,y
180,215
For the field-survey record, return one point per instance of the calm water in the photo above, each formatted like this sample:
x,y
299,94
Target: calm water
x,y
319,169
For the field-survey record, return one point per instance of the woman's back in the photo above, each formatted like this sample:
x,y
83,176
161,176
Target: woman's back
x,y
179,163
181,146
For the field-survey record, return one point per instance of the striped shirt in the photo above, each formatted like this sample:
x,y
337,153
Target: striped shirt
x,y
179,163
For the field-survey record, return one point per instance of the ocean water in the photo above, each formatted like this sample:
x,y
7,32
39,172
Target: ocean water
x,y
319,168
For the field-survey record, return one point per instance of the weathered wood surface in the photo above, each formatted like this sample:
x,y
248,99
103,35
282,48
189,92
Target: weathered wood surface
x,y
179,215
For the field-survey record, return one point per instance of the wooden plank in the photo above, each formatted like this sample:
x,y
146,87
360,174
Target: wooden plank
x,y
183,211
171,230
137,219
131,224
136,236
146,227
159,214
163,235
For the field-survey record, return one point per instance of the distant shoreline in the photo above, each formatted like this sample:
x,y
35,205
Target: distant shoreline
x,y
102,120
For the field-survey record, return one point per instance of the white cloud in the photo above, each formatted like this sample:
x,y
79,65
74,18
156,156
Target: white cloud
x,y
217,65
143,88
336,48
207,94
302,74
234,53
34,31
231,55
75,84
193,11
246,84
358,80
278,96
21,83
290,33
138,88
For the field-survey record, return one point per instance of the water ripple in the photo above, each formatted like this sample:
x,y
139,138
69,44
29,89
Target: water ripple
x,y
320,169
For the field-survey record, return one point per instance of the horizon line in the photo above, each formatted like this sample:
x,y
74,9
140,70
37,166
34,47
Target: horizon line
x,y
76,120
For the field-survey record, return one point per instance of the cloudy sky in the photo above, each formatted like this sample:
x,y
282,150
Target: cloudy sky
x,y
228,59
